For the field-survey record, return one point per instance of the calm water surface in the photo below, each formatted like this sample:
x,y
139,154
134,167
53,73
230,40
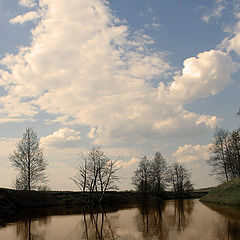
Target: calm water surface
x,y
168,220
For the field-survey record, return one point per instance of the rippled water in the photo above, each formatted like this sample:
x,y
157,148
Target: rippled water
x,y
168,220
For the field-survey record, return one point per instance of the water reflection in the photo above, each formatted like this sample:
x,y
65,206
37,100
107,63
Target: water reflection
x,y
182,214
155,220
150,220
227,227
31,230
97,224
227,230
165,220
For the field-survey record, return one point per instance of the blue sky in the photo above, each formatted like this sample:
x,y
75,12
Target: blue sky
x,y
133,76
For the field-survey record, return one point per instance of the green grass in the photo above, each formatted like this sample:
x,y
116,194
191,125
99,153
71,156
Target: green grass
x,y
227,193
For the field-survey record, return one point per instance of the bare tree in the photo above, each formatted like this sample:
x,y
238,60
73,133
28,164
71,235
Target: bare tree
x,y
107,176
218,159
234,142
29,161
225,154
20,182
96,172
151,176
158,173
142,177
180,178
81,177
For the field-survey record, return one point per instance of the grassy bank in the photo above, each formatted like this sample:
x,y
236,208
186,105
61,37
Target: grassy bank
x,y
227,193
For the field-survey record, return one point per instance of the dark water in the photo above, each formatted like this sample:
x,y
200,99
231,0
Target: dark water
x,y
168,220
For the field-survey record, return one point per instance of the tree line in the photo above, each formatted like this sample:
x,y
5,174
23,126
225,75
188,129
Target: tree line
x,y
225,154
96,173
155,176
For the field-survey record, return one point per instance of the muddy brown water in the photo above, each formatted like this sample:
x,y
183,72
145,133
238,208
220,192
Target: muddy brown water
x,y
168,220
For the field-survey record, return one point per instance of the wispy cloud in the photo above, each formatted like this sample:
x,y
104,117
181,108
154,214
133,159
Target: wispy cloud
x,y
215,12
29,16
157,26
28,3
232,42
150,10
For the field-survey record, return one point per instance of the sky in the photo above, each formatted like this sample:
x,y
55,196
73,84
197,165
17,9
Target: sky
x,y
133,76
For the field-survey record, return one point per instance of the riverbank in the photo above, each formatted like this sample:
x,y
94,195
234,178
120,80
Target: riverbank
x,y
15,199
227,193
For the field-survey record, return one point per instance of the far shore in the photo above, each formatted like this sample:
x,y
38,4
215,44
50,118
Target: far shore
x,y
19,199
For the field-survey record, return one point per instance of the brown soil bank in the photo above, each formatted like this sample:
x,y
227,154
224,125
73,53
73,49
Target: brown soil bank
x,y
227,193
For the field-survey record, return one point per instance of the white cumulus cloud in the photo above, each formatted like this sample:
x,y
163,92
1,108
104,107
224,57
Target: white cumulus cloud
x,y
190,153
63,138
207,74
85,70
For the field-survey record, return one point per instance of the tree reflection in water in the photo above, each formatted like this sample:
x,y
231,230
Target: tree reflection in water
x,y
97,225
165,220
30,230
228,227
182,213
150,220
157,219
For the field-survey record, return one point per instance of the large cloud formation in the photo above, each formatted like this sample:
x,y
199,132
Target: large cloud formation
x,y
85,67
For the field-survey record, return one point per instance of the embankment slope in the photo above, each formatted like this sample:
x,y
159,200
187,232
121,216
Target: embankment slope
x,y
227,193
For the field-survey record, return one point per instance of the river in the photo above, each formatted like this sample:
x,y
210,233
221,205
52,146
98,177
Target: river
x,y
168,220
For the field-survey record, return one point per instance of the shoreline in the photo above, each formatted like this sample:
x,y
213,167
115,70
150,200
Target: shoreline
x,y
21,199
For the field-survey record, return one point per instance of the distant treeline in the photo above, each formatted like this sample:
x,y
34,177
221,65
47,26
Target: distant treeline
x,y
154,176
97,173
